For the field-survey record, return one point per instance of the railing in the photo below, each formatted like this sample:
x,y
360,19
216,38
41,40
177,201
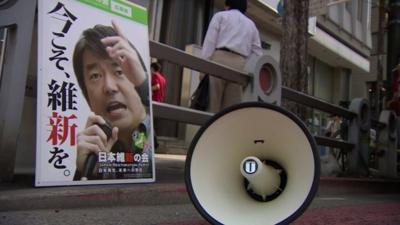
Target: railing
x,y
315,103
183,114
190,116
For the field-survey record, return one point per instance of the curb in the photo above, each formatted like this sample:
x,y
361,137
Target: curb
x,y
342,185
93,196
156,194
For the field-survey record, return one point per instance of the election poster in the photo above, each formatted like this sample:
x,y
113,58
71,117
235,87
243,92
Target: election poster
x,y
94,117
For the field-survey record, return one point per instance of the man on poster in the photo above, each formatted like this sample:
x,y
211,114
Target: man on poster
x,y
114,81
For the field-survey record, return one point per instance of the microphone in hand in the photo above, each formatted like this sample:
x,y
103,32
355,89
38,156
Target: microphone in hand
x,y
92,157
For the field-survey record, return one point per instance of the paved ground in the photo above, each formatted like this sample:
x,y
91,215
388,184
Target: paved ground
x,y
339,201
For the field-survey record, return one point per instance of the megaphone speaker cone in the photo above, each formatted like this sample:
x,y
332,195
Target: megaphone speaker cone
x,y
240,149
264,181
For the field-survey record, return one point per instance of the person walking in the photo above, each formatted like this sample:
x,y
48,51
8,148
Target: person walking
x,y
158,86
158,83
230,39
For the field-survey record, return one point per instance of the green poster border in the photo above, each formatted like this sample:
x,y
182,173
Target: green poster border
x,y
139,14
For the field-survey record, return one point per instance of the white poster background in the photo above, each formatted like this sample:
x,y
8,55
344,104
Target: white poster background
x,y
87,17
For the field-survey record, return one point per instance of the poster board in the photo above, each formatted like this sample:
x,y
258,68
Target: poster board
x,y
93,69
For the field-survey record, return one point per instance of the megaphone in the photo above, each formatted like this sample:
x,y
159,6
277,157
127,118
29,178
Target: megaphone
x,y
252,163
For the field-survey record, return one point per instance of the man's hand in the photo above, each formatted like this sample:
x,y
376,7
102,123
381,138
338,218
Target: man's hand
x,y
93,139
119,49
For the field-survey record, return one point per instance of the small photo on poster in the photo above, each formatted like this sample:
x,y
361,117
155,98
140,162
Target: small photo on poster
x,y
94,121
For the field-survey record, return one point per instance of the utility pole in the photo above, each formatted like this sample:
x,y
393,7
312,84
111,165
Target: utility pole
x,y
380,53
293,61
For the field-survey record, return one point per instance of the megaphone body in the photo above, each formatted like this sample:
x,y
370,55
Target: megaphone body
x,y
252,163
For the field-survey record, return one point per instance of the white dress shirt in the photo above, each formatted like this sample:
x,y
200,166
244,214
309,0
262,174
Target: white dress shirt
x,y
233,30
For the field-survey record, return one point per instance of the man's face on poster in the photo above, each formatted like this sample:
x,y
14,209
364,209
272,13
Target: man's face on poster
x,y
110,93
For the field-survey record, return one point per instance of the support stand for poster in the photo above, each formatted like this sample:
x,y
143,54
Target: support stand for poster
x,y
18,17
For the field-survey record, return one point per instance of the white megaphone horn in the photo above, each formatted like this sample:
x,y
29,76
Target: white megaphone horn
x,y
252,163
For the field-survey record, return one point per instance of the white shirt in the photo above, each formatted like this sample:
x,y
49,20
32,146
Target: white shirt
x,y
233,30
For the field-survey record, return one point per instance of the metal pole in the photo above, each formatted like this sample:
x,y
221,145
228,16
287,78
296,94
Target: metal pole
x,y
393,48
381,52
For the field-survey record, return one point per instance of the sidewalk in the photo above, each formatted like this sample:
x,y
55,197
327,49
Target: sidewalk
x,y
169,190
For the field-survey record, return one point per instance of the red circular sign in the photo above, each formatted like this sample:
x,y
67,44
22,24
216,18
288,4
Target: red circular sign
x,y
266,79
